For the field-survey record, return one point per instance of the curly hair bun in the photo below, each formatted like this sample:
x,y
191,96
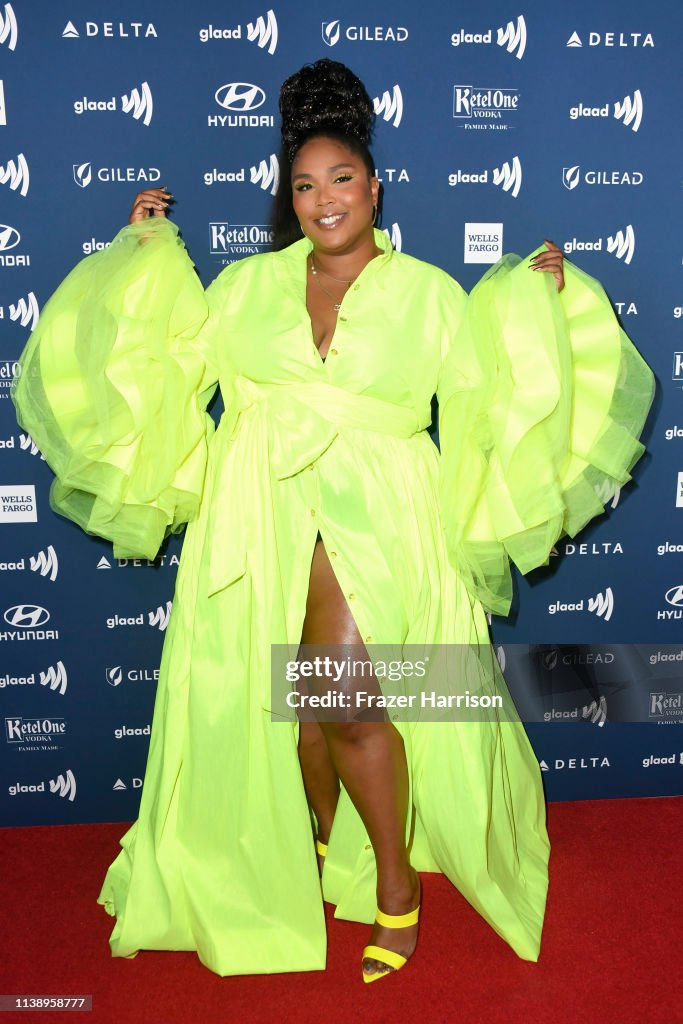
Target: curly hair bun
x,y
324,95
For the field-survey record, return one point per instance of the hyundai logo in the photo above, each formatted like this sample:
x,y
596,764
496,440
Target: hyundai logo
x,y
240,97
674,596
26,616
9,237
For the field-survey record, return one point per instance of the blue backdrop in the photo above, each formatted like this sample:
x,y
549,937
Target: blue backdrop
x,y
498,125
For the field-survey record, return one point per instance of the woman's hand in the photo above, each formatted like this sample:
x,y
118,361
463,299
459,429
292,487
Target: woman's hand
x,y
150,203
551,262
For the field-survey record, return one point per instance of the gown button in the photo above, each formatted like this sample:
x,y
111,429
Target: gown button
x,y
333,554
352,597
313,512
368,846
333,352
368,639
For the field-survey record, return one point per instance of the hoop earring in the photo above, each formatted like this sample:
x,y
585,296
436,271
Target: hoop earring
x,y
374,215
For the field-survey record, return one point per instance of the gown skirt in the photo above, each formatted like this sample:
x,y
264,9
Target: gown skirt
x,y
541,400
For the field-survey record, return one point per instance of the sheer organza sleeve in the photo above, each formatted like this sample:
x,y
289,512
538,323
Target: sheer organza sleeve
x,y
114,384
542,398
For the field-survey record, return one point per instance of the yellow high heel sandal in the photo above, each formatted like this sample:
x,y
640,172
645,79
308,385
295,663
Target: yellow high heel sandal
x,y
388,956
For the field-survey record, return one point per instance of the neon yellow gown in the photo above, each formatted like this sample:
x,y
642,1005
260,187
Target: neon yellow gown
x,y
541,399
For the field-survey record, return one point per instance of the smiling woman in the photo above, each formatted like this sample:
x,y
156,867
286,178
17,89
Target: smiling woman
x,y
321,515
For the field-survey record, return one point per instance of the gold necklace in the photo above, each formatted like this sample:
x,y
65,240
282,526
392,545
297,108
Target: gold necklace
x,y
337,305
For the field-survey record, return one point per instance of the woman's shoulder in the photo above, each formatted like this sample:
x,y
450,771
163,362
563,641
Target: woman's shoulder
x,y
424,274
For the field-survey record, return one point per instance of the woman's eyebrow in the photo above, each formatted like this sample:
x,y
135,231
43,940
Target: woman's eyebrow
x,y
331,170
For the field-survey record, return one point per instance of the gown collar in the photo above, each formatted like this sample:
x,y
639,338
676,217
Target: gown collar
x,y
291,262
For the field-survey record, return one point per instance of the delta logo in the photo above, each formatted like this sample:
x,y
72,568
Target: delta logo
x,y
622,40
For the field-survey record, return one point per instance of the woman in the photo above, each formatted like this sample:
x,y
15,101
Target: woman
x,y
321,513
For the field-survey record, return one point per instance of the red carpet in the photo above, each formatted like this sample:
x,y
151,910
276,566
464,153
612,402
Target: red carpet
x,y
611,948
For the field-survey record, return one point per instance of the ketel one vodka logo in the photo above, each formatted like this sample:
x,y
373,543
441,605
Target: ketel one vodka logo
x,y
138,103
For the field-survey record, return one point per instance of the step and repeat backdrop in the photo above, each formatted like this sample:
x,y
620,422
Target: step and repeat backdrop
x,y
498,125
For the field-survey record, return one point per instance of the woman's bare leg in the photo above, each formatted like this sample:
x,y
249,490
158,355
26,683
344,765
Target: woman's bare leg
x,y
369,758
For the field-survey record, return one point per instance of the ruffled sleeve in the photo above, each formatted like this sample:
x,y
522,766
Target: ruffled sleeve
x,y
114,384
542,397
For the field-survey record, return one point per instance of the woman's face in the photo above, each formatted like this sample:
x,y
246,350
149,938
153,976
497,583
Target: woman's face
x,y
332,195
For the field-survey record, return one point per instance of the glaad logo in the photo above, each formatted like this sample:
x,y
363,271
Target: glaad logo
x,y
24,311
3,109
46,563
139,103
111,30
390,106
622,244
16,175
601,605
394,236
64,785
511,36
611,39
572,176
8,28
242,99
596,712
160,616
263,32
679,491
18,503
332,31
629,111
508,177
55,678
27,444
483,243
266,175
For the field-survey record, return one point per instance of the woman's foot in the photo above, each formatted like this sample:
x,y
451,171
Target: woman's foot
x,y
321,851
399,899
